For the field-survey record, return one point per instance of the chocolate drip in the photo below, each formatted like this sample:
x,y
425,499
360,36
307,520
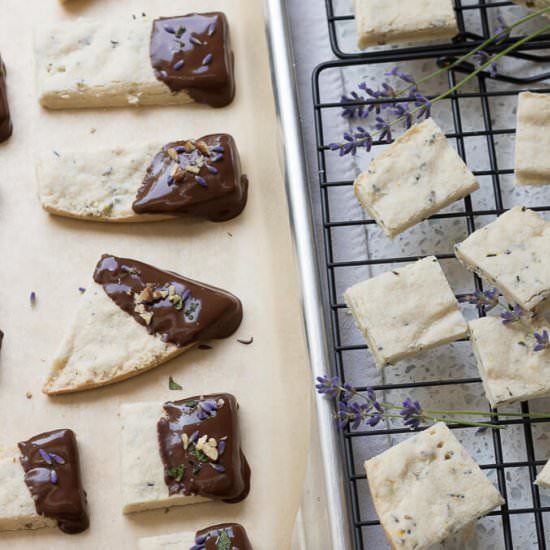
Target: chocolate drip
x,y
1,338
200,448
5,120
223,535
52,474
195,178
193,53
181,310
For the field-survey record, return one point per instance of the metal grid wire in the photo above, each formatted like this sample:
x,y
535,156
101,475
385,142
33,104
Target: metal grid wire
x,y
338,21
486,91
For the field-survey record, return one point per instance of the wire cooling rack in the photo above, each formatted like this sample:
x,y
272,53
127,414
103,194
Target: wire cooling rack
x,y
341,19
480,121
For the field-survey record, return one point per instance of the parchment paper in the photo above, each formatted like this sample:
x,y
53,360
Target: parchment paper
x,y
250,256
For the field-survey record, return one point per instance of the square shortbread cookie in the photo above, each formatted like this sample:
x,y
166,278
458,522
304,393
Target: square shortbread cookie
x,y
543,479
387,22
427,488
533,139
406,311
511,371
418,175
512,254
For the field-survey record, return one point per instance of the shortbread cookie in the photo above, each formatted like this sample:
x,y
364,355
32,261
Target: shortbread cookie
x,y
133,318
386,22
195,178
543,479
533,139
404,312
41,484
512,254
114,63
5,119
428,488
418,175
223,535
182,452
510,368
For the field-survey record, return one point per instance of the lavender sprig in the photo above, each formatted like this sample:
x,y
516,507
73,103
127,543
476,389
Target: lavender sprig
x,y
487,299
371,411
481,58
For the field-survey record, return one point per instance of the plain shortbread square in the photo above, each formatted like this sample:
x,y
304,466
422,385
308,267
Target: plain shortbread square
x,y
418,175
511,371
406,311
533,139
512,253
389,21
427,488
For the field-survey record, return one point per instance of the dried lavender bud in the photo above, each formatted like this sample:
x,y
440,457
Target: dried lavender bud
x,y
412,413
542,340
487,299
513,315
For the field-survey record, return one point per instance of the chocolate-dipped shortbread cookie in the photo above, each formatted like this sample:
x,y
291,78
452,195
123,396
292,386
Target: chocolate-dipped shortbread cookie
x,y
5,119
198,178
133,318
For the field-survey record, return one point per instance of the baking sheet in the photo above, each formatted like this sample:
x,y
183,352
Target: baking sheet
x,y
361,242
250,256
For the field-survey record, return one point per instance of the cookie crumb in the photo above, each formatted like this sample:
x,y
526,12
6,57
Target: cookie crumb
x,y
28,395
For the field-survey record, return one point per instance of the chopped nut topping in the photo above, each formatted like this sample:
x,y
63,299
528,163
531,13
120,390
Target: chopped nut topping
x,y
203,148
188,146
172,153
185,440
192,168
209,446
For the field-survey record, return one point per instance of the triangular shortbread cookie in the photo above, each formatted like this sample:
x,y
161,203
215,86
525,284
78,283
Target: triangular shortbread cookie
x,y
133,318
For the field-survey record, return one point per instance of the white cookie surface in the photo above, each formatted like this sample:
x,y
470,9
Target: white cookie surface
x,y
104,345
175,541
406,311
543,479
17,510
387,22
95,185
418,175
533,139
142,471
427,488
98,63
512,254
511,371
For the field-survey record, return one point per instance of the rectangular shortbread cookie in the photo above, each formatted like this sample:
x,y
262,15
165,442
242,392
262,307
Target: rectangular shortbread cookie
x,y
543,479
99,63
387,22
142,471
512,254
406,311
533,139
175,541
427,488
511,371
418,175
101,184
17,509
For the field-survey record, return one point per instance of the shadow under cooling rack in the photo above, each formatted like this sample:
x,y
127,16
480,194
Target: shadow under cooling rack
x,y
476,20
482,113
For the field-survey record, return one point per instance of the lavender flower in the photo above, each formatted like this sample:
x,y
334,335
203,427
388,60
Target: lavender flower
x,y
350,109
481,57
488,299
503,30
412,413
32,298
513,315
542,340
384,128
54,477
424,106
45,456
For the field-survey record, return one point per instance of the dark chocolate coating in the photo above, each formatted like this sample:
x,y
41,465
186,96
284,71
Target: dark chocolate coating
x,y
208,538
228,477
5,120
193,53
57,495
193,312
206,184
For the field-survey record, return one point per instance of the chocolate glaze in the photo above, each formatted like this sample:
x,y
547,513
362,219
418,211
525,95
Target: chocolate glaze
x,y
207,539
58,495
181,310
193,53
5,120
225,477
195,178
1,338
